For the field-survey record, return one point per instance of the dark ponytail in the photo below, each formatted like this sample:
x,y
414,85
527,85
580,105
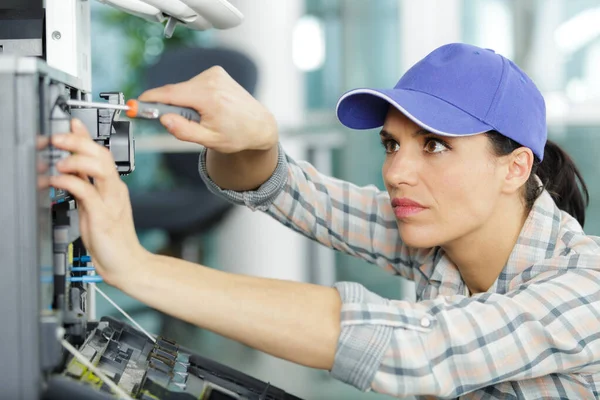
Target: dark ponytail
x,y
558,173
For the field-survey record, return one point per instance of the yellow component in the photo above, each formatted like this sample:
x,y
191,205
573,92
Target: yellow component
x,y
75,368
79,370
70,254
150,395
205,392
92,379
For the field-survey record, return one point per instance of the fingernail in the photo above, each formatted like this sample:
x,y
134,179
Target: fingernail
x,y
77,123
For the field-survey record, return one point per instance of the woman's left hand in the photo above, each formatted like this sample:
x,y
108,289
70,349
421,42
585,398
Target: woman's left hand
x,y
105,217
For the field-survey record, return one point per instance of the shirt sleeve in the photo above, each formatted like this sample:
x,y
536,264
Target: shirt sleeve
x,y
450,346
355,220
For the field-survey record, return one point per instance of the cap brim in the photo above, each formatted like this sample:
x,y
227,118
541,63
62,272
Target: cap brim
x,y
367,109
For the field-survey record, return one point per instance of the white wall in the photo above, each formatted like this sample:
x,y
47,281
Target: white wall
x,y
251,242
426,25
266,36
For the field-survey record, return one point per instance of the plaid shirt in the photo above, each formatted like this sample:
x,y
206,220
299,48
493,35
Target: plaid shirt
x,y
534,334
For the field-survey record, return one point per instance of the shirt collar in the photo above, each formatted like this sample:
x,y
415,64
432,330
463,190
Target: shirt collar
x,y
537,241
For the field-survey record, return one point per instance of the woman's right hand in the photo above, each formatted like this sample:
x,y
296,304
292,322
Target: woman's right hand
x,y
231,119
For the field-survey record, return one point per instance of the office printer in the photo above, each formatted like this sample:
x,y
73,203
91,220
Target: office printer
x,y
47,299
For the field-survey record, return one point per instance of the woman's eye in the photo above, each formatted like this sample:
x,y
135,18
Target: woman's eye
x,y
435,146
390,146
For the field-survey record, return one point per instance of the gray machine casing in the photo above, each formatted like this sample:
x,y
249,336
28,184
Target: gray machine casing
x,y
27,85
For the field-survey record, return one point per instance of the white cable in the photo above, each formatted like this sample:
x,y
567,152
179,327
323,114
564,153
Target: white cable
x,y
125,314
81,358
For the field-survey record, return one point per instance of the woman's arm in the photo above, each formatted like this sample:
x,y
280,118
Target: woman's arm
x,y
242,162
241,133
295,321
243,171
539,332
357,220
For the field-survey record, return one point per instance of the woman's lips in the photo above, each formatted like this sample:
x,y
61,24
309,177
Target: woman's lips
x,y
405,207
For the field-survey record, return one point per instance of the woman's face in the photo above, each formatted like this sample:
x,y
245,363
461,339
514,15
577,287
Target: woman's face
x,y
441,188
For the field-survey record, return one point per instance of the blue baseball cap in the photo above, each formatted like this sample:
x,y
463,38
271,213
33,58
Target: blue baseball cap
x,y
457,90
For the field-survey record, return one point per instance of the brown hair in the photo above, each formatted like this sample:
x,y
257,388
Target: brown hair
x,y
558,174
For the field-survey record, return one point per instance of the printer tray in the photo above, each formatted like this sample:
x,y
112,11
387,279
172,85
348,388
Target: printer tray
x,y
151,371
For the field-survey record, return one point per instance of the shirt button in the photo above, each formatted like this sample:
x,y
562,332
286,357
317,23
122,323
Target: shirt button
x,y
425,322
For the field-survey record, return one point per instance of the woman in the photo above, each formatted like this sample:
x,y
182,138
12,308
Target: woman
x,y
481,212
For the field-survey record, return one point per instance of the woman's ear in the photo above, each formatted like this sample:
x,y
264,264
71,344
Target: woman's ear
x,y
520,162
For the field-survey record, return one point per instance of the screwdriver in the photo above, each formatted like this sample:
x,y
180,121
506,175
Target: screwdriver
x,y
141,109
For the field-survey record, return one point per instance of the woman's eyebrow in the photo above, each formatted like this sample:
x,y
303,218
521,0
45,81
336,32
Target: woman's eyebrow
x,y
387,135
422,132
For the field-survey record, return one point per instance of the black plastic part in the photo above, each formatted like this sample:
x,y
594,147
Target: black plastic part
x,y
21,23
122,147
22,4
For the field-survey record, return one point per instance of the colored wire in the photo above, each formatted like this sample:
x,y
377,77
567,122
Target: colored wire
x,y
86,279
82,269
80,279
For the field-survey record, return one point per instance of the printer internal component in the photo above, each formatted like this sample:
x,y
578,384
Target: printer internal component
x,y
155,370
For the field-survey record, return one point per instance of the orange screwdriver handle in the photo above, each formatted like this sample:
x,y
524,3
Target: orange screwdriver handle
x,y
140,109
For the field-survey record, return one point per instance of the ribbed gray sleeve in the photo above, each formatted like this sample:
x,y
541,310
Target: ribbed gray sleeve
x,y
259,199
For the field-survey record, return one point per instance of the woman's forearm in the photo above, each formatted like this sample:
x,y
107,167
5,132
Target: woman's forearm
x,y
242,171
298,322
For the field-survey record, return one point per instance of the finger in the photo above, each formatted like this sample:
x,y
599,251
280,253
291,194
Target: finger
x,y
42,142
78,128
42,167
86,167
78,143
43,182
189,131
85,193
85,178
179,94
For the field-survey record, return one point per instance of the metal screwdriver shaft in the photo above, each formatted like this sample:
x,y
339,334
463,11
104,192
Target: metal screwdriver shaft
x,y
91,104
140,109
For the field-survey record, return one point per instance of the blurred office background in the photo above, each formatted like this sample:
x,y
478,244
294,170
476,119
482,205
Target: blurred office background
x,y
298,57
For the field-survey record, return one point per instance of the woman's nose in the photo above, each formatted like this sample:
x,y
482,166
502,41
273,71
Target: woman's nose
x,y
401,168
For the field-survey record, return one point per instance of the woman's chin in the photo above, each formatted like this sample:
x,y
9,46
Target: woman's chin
x,y
418,236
